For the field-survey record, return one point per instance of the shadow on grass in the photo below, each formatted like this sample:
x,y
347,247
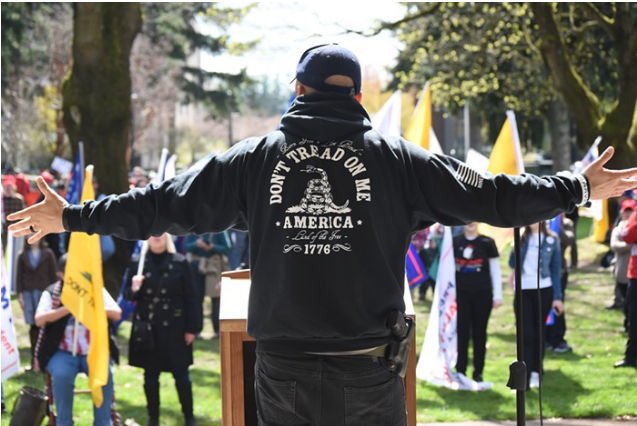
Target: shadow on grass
x,y
487,403
504,336
560,396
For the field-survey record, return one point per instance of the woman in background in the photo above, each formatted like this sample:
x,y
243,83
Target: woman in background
x,y
543,246
165,299
36,270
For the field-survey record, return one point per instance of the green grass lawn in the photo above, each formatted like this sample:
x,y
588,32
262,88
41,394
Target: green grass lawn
x,y
581,384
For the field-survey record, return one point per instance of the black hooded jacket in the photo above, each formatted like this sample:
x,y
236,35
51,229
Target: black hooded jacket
x,y
330,205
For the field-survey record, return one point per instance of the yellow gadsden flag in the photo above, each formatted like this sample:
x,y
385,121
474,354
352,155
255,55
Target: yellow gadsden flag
x,y
420,130
506,157
82,295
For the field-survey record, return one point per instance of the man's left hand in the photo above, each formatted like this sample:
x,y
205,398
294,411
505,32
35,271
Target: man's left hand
x,y
605,183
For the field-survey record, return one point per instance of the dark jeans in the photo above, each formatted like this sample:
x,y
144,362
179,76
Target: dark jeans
x,y
295,390
474,309
533,332
216,306
631,305
555,333
151,377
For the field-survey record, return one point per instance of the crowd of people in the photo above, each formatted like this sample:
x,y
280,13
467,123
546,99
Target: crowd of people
x,y
479,290
168,295
326,302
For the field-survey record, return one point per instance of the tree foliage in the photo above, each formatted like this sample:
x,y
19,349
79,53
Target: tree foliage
x,y
167,71
522,56
35,57
177,30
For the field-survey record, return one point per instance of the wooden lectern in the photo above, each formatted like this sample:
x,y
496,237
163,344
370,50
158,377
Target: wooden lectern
x,y
238,354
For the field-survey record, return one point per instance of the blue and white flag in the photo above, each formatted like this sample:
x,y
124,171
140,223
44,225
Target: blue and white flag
x,y
591,155
9,353
74,192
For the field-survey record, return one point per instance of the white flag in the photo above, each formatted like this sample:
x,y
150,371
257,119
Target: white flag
x,y
440,349
9,353
170,170
591,155
387,119
596,207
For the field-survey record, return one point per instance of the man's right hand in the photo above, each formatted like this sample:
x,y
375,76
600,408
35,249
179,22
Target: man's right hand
x,y
43,218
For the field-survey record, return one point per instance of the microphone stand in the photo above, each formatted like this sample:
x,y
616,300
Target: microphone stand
x,y
517,369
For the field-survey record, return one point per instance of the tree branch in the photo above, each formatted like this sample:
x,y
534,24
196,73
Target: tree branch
x,y
393,25
581,100
607,24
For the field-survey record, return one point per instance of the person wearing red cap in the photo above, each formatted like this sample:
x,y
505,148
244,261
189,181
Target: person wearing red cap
x,y
47,176
622,257
629,234
331,206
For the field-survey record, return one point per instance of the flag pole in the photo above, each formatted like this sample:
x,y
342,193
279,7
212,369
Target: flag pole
x,y
142,258
161,171
517,369
76,327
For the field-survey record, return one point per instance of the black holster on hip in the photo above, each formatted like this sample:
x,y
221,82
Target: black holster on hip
x,y
402,328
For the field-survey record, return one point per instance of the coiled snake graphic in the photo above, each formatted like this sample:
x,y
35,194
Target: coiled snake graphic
x,y
317,198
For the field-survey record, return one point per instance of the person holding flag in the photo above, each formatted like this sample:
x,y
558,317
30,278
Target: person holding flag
x,y
63,350
478,291
331,206
164,322
84,298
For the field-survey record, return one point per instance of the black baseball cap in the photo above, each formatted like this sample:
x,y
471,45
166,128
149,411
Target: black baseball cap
x,y
323,61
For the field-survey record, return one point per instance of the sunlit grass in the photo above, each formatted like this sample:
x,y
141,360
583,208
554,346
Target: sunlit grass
x,y
579,384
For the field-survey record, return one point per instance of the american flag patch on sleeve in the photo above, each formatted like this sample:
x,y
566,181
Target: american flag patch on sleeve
x,y
467,175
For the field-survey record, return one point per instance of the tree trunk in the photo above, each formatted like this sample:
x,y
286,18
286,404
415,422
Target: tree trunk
x,y
559,127
582,102
97,100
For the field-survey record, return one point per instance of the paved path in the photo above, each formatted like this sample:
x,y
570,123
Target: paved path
x,y
548,422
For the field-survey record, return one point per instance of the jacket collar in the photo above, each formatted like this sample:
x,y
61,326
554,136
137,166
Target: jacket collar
x,y
325,117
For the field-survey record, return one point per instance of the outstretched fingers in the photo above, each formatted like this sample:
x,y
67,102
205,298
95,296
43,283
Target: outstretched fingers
x,y
44,187
22,214
23,228
601,161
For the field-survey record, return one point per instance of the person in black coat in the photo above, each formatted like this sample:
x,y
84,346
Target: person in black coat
x,y
164,322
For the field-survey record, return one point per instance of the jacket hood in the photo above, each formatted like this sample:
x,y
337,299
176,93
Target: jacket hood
x,y
327,116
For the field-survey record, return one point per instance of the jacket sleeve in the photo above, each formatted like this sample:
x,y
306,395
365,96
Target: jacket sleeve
x,y
556,270
128,285
617,244
222,243
448,191
200,200
629,233
190,243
